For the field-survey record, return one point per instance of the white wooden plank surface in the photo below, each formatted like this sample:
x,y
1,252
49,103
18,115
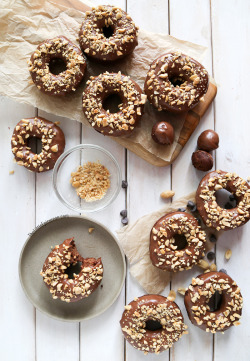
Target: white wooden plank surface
x,y
17,209
145,181
231,34
64,337
105,329
195,27
30,199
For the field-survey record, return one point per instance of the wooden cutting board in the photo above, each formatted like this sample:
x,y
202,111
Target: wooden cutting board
x,y
192,118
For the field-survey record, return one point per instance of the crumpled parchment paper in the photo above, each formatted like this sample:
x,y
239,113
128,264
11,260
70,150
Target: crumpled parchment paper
x,y
135,239
26,23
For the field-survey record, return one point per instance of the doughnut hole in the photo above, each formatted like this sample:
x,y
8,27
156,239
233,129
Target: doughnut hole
x,y
73,268
153,325
57,66
180,241
35,144
225,199
107,31
176,81
214,302
112,103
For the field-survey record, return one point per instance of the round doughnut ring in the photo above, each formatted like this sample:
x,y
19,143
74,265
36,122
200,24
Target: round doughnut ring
x,y
130,111
175,82
122,37
66,81
53,143
57,280
211,213
163,251
200,292
152,308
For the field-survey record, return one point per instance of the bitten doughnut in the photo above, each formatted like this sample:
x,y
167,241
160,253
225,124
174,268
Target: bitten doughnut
x,y
120,40
135,318
66,81
164,253
53,143
57,280
200,292
175,82
130,111
211,213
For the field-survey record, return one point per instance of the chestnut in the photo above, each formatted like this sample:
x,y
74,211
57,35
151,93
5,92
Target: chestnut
x,y
208,140
202,160
163,133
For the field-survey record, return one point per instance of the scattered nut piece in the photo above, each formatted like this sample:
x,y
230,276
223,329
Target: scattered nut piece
x,y
203,264
167,194
11,172
57,123
91,230
182,290
171,296
54,148
228,254
213,267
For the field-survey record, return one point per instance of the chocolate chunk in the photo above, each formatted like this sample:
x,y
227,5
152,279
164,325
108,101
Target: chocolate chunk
x,y
213,238
182,209
163,133
211,256
124,213
202,160
228,205
125,221
124,184
208,140
223,270
192,206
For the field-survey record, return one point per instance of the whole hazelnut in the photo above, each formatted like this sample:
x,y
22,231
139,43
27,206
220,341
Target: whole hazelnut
x,y
163,133
202,160
208,140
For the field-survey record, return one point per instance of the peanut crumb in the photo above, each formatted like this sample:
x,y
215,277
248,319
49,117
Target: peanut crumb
x,y
11,172
228,254
91,181
167,194
171,296
91,230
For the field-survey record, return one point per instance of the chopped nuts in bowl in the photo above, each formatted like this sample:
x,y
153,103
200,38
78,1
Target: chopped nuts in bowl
x,y
97,172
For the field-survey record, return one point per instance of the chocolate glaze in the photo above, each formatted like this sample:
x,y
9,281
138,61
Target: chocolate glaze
x,y
197,297
152,307
96,45
208,140
53,143
211,213
115,124
82,285
161,84
163,133
202,160
163,252
57,48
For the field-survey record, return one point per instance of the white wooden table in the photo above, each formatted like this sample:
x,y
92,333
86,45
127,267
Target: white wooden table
x,y
27,199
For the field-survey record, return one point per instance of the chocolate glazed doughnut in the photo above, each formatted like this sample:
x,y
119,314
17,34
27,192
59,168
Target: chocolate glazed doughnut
x,y
66,81
211,213
200,292
164,253
122,37
175,82
130,110
56,279
152,308
53,143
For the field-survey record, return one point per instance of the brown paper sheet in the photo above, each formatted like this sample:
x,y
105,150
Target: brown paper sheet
x,y
26,23
135,238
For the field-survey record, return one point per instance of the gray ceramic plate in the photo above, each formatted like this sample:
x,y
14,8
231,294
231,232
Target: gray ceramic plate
x,y
100,243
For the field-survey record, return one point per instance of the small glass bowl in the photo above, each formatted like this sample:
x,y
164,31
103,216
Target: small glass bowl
x,y
69,161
